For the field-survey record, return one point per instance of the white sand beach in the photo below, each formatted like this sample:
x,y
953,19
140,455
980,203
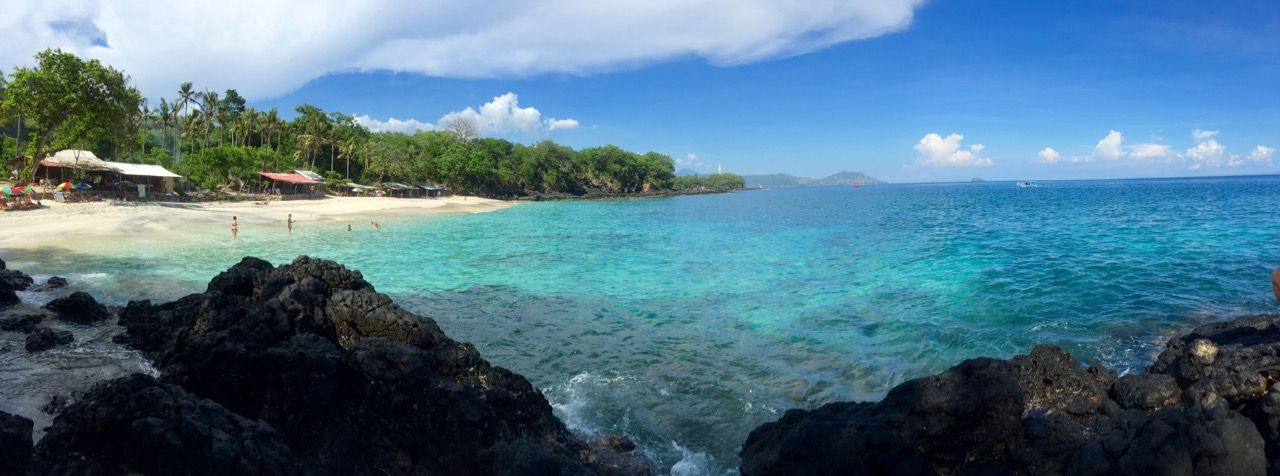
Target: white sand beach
x,y
75,224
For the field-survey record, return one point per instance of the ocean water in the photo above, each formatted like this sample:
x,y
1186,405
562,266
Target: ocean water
x,y
685,322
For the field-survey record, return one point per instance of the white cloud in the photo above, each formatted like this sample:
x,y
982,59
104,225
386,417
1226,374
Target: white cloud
x,y
1201,135
1049,156
1262,154
502,115
553,124
1207,153
1109,147
946,151
407,126
1151,151
265,48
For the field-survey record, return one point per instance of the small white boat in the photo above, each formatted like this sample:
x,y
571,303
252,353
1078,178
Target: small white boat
x,y
1028,184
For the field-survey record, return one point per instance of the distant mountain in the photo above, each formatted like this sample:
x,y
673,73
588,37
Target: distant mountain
x,y
685,172
784,180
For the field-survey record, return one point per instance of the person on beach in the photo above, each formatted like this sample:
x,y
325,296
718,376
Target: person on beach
x,y
235,228
289,222
376,225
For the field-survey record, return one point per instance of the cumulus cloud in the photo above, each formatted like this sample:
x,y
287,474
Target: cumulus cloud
x,y
1049,156
1262,154
1109,147
1207,153
948,152
553,124
240,43
407,126
502,115
1151,151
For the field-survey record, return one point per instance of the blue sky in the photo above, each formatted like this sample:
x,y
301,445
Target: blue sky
x,y
1114,89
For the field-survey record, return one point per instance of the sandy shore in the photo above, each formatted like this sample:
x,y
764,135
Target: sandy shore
x,y
75,224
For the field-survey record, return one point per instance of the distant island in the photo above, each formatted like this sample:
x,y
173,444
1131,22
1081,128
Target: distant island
x,y
784,180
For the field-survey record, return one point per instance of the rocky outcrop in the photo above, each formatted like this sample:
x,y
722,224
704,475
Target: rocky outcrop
x,y
79,307
12,281
15,444
1208,405
136,425
352,382
45,338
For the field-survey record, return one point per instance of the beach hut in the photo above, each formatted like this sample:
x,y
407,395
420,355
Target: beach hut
x,y
291,184
153,177
69,164
432,190
352,189
400,190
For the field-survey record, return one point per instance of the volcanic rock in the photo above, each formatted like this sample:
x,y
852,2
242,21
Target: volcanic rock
x,y
45,338
55,282
136,425
78,307
1041,413
353,383
21,322
15,442
12,281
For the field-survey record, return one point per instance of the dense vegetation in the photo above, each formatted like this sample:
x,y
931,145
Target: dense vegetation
x,y
215,140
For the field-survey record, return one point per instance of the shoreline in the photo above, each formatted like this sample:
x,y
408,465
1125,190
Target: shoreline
x,y
61,225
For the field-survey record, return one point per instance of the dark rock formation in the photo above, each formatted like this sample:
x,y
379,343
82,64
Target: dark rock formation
x,y
1040,413
55,282
22,322
78,307
15,442
354,383
12,281
45,338
135,425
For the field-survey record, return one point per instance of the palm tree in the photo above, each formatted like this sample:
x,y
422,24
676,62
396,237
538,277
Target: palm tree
x,y
271,123
165,116
186,95
209,107
345,149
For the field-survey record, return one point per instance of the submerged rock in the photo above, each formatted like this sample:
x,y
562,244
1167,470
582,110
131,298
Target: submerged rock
x,y
22,322
79,307
55,282
136,425
15,442
45,338
1041,413
352,382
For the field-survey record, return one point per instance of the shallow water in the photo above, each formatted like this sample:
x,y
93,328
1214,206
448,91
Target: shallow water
x,y
685,322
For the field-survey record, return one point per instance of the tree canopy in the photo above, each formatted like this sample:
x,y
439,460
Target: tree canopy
x,y
217,140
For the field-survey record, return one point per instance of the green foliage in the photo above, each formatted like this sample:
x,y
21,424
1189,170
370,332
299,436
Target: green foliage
x,y
715,182
218,141
66,100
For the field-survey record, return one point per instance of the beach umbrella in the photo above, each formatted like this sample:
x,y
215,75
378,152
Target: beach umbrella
x,y
82,186
64,186
7,190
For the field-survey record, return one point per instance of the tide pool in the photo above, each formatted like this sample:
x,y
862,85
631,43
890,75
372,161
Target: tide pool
x,y
685,322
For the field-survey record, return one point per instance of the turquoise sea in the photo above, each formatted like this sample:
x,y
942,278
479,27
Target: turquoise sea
x,y
685,322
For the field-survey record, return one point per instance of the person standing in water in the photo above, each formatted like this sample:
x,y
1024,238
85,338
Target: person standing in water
x,y
348,227
235,227
376,225
289,222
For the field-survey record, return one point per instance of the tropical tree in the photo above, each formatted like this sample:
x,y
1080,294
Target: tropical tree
x,y
165,116
186,97
64,94
209,111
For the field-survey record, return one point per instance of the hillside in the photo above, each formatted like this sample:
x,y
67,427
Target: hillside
x,y
784,180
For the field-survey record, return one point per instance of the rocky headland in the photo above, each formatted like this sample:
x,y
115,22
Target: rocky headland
x,y
297,369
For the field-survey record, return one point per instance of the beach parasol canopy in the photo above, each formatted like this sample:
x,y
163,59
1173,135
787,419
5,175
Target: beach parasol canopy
x,y
7,190
82,186
65,186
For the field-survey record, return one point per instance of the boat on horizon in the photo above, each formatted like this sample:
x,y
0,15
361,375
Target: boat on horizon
x,y
1027,184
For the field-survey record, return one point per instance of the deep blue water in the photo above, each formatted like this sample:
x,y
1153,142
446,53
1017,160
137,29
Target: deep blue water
x,y
685,322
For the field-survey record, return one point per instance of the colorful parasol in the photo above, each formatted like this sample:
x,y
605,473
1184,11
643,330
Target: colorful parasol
x,y
64,186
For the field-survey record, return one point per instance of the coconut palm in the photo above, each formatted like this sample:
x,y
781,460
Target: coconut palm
x,y
209,111
186,95
165,116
